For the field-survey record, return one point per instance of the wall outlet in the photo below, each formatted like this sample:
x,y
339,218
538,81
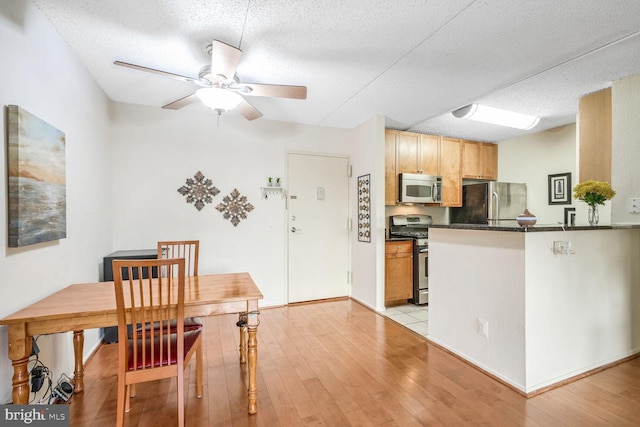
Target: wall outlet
x,y
562,247
633,205
483,327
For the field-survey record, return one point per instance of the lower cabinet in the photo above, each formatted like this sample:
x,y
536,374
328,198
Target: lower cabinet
x,y
398,272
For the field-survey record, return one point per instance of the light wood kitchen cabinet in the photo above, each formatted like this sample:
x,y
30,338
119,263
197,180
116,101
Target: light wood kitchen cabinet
x,y
417,153
408,152
429,154
390,175
479,160
489,161
594,136
451,171
398,271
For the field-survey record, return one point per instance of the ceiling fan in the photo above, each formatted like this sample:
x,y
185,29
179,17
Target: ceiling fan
x,y
221,88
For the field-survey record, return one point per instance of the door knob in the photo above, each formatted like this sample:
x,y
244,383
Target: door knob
x,y
293,229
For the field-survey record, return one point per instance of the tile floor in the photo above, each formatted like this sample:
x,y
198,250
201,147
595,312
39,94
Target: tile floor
x,y
414,317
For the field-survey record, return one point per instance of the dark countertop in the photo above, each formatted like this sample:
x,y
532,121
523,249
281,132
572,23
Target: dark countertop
x,y
534,228
397,239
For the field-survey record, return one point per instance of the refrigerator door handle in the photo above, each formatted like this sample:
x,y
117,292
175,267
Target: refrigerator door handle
x,y
496,210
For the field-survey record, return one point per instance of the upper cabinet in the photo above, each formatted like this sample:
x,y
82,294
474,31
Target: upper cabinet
x,y
417,153
594,137
408,152
390,175
451,171
479,160
429,154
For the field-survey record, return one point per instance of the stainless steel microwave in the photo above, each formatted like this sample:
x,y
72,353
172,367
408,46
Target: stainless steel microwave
x,y
419,188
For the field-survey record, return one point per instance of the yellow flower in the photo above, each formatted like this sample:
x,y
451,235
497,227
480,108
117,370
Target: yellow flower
x,y
593,192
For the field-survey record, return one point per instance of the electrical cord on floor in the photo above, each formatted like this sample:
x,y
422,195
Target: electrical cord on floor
x,y
39,373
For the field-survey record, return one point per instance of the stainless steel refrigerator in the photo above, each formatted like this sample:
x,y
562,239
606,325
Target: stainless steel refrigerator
x,y
492,203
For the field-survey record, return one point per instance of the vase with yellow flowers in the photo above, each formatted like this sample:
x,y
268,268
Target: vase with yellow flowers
x,y
593,193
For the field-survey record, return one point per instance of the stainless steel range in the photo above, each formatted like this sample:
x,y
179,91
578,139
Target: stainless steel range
x,y
417,228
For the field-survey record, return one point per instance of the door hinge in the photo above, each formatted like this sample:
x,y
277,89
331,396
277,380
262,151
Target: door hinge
x,y
349,224
349,171
348,277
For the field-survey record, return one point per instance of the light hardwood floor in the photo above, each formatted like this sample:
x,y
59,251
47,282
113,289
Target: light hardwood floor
x,y
340,364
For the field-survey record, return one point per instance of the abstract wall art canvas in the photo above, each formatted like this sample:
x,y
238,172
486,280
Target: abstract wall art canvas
x,y
37,180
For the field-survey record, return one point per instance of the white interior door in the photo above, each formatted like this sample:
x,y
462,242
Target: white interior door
x,y
318,227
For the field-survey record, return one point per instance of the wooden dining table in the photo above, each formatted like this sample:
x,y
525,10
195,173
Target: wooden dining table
x,y
93,305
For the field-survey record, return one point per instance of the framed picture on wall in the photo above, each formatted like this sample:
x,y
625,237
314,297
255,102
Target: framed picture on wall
x,y
560,189
570,217
364,208
37,189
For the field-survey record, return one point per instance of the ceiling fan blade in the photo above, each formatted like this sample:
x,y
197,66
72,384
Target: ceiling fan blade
x,y
154,71
224,59
248,111
277,91
182,102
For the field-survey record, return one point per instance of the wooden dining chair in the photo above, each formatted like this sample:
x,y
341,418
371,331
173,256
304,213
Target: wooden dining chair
x,y
153,353
189,250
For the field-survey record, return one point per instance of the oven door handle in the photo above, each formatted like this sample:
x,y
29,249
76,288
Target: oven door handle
x,y
423,251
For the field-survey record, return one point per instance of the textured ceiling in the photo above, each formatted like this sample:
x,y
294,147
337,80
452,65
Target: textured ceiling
x,y
410,61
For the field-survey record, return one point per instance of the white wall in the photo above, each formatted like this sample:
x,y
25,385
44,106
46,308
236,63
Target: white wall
x,y
625,158
582,310
550,317
124,166
532,158
479,275
156,150
367,258
42,75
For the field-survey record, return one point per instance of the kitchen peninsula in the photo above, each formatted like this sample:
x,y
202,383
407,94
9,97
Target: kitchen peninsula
x,y
502,300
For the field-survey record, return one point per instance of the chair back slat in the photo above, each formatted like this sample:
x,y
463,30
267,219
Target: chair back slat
x,y
187,249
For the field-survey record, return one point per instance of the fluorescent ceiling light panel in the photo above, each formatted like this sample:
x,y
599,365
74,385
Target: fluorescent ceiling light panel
x,y
482,113
219,99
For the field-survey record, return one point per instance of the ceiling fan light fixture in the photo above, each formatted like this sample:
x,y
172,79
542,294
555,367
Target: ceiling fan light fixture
x,y
496,116
219,99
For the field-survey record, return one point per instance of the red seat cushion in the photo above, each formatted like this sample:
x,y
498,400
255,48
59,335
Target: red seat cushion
x,y
170,343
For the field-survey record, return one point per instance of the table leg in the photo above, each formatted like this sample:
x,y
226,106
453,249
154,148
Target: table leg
x,y
242,321
20,381
253,363
252,354
19,352
78,373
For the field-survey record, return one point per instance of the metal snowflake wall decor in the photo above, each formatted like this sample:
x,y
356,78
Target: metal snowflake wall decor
x,y
199,190
234,207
